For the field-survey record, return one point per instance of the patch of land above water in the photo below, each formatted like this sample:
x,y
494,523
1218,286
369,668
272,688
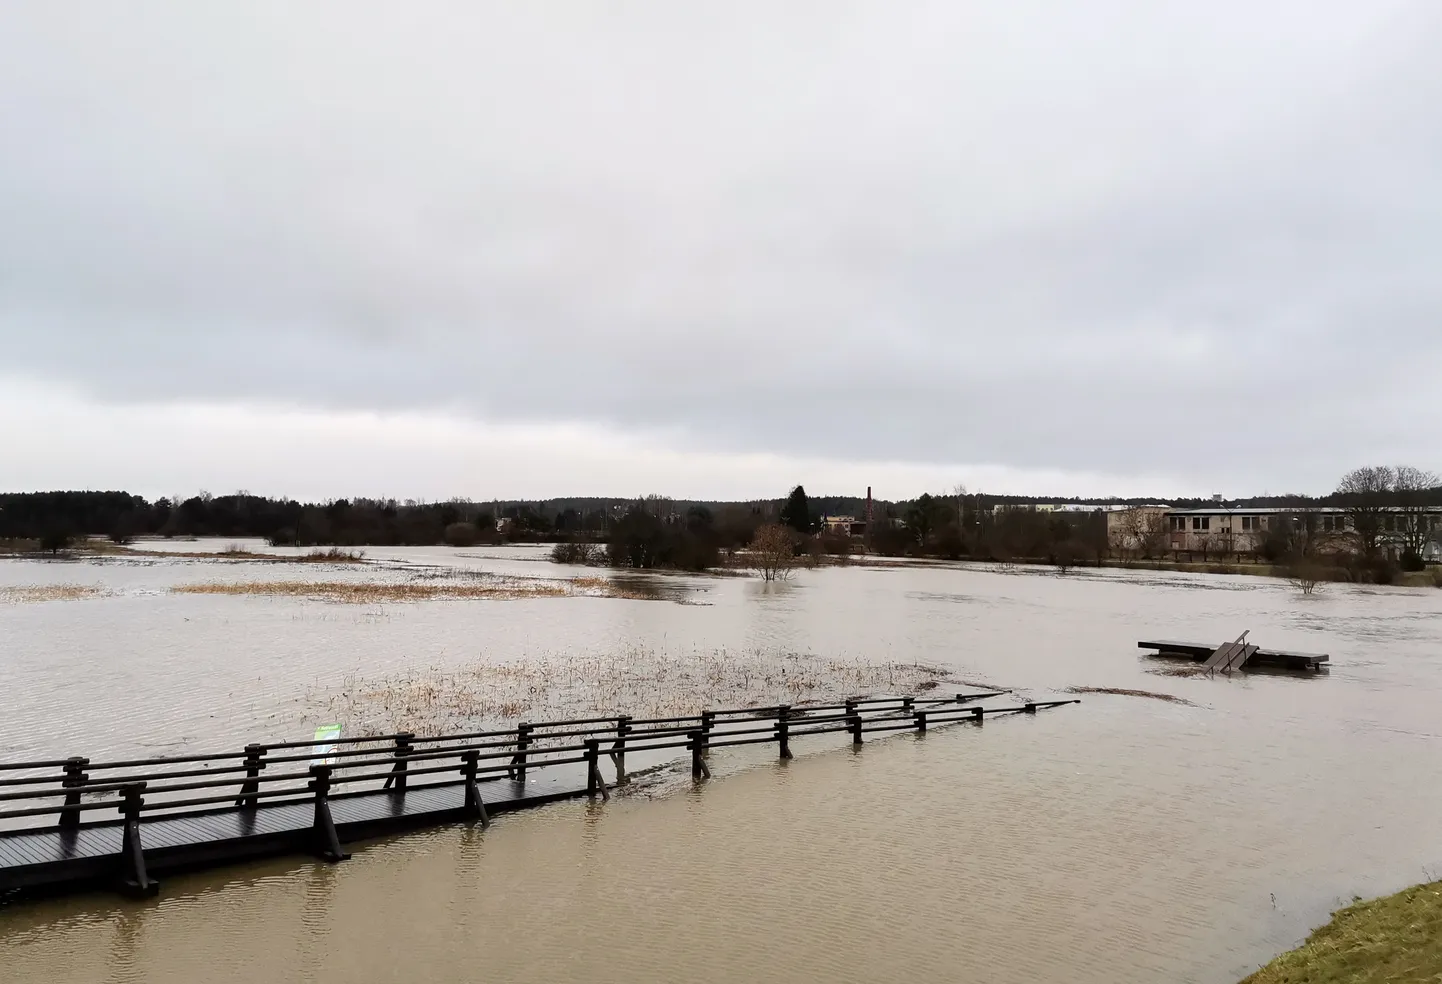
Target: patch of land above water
x,y
1396,939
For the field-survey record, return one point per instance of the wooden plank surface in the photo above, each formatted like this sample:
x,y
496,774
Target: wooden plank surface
x,y
1221,656
25,851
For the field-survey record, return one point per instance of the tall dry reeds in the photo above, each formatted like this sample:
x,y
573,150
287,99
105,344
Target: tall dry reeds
x,y
635,680
30,593
427,588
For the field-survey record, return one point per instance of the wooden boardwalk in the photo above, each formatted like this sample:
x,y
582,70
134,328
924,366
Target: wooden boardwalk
x,y
57,858
1230,656
82,824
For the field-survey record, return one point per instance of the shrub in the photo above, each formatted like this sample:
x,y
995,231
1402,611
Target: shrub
x,y
1412,562
575,553
55,540
1436,571
460,535
1382,571
773,552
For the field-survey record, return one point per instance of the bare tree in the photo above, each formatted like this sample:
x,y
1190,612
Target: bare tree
x,y
1302,533
1305,575
958,492
773,552
1414,525
1365,493
1143,530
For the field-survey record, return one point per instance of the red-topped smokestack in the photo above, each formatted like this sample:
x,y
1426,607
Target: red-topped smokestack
x,y
868,509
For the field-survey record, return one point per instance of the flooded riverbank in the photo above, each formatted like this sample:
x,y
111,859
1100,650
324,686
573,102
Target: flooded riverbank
x,y
1127,839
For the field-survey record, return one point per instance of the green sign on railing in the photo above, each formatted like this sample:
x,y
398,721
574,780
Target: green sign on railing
x,y
329,733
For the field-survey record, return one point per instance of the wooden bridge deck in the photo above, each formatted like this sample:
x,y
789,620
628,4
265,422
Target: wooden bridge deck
x,y
54,856
149,820
1236,656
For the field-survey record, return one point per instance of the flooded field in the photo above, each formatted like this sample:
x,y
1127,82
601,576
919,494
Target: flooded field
x,y
1125,839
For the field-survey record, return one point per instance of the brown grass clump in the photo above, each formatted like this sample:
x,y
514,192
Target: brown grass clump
x,y
639,681
431,588
1124,692
364,593
331,555
28,593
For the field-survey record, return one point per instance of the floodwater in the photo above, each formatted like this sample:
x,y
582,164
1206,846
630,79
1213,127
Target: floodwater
x,y
1124,839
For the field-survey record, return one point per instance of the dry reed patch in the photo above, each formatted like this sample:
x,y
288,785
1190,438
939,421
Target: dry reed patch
x,y
642,682
1124,692
29,593
234,552
429,588
364,593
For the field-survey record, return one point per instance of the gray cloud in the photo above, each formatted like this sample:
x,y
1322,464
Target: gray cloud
x,y
1123,237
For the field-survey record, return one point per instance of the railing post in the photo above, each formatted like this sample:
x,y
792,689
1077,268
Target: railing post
x,y
699,771
783,730
921,722
708,720
475,806
1031,707
854,721
977,714
254,763
75,778
325,840
850,708
594,783
518,761
134,881
403,751
906,703
618,750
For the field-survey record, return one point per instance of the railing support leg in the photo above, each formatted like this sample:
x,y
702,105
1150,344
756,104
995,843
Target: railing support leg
x,y
699,769
906,703
518,761
1030,707
398,771
75,778
254,763
978,714
594,783
854,721
475,806
618,750
708,720
134,881
921,722
783,730
325,839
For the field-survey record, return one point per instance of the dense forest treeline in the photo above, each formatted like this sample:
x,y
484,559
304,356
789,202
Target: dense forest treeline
x,y
650,532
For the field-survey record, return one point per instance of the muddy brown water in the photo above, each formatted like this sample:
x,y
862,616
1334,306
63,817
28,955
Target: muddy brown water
x,y
1124,839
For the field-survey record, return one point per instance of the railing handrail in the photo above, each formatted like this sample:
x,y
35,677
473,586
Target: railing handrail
x,y
521,748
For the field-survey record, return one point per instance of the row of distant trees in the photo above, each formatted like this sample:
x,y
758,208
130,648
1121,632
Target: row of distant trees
x,y
659,532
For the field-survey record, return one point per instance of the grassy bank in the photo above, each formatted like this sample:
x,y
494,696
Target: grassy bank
x,y
1396,939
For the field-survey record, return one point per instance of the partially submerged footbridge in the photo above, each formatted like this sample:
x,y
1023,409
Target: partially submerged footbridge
x,y
69,824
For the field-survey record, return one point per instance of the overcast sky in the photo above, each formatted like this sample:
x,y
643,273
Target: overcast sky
x,y
713,249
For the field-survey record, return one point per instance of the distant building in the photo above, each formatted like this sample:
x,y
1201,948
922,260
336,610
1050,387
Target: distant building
x,y
1220,529
846,525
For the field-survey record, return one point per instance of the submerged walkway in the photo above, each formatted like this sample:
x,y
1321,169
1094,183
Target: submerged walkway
x,y
190,812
